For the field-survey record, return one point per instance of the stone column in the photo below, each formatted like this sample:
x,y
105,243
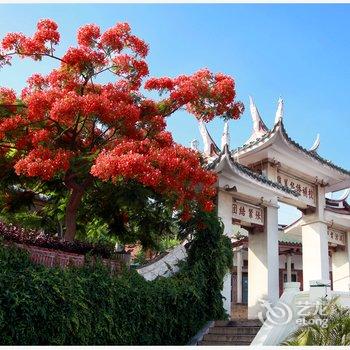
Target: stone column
x,y
289,267
315,243
263,263
271,228
225,214
315,252
341,267
239,276
225,211
226,293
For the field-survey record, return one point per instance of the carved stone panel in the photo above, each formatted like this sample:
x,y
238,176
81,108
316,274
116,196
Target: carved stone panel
x,y
246,212
306,190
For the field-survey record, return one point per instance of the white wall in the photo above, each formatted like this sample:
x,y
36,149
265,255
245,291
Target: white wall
x,y
166,266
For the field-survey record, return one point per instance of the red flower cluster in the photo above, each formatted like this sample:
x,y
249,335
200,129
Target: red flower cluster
x,y
40,136
67,120
82,58
65,110
43,162
7,96
132,69
119,37
36,46
88,35
168,168
10,124
205,95
47,32
37,82
114,38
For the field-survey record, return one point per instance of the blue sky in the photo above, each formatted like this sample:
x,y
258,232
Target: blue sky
x,y
301,52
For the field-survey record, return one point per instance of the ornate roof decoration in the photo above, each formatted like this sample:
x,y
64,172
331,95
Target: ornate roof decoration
x,y
194,145
316,144
246,172
313,155
259,127
278,133
345,195
280,111
225,139
279,127
340,205
210,147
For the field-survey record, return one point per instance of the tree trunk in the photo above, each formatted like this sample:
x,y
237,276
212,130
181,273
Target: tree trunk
x,y
71,213
77,192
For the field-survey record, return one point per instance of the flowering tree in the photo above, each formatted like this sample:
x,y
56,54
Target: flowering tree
x,y
69,125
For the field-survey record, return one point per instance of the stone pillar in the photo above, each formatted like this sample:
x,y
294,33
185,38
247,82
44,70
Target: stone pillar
x,y
239,276
315,252
263,263
289,267
315,243
226,293
225,211
341,267
271,228
225,214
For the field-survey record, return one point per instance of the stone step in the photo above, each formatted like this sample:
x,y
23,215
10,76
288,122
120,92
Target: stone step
x,y
218,343
239,317
238,323
228,338
234,330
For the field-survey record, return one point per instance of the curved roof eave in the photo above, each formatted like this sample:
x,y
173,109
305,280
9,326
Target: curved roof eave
x,y
279,127
292,225
247,173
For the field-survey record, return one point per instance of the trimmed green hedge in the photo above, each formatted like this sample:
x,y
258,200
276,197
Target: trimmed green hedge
x,y
40,305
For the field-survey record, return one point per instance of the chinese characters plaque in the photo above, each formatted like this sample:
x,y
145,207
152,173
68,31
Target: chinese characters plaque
x,y
247,212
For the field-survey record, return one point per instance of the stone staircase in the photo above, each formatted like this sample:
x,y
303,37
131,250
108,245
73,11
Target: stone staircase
x,y
239,312
235,332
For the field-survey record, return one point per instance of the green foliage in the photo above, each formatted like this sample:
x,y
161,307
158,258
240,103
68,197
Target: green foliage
x,y
329,327
26,219
167,243
140,258
97,232
30,204
210,254
132,212
87,305
126,212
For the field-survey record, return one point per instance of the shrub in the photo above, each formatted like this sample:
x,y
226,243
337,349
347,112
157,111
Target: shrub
x,y
89,306
328,325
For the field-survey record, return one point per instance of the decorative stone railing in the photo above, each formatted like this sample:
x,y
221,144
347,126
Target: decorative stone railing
x,y
164,266
57,258
343,297
275,330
